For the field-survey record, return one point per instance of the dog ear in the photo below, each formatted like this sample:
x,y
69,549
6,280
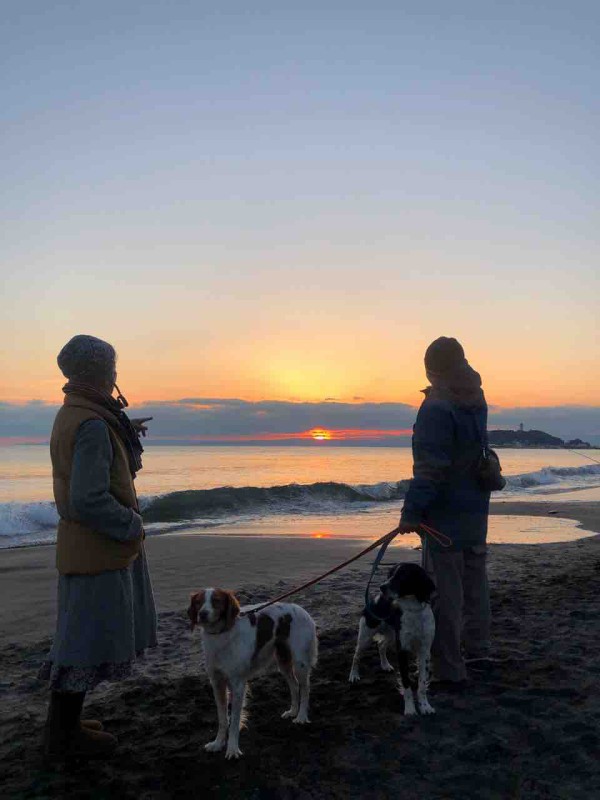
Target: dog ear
x,y
425,587
232,609
196,600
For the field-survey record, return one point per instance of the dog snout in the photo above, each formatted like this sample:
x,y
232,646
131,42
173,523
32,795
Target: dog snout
x,y
203,616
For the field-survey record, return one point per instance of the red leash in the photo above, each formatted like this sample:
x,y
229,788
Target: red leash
x,y
444,540
388,536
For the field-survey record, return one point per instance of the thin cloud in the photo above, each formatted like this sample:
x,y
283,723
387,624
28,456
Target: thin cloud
x,y
213,419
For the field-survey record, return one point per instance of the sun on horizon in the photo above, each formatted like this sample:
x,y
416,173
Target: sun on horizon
x,y
320,434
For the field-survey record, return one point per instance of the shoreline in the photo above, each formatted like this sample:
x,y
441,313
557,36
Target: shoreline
x,y
181,562
585,512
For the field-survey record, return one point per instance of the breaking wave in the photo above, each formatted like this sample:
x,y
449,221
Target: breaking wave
x,y
18,518
35,522
292,498
570,477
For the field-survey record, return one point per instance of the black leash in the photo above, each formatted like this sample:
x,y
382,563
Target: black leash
x,y
378,558
444,540
384,540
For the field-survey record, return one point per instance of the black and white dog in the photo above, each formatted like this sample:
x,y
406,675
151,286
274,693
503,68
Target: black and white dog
x,y
402,604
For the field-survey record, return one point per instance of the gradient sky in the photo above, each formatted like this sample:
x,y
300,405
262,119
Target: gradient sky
x,y
288,201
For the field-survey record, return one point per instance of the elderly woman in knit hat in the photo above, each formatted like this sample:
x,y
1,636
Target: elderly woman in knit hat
x,y
106,613
445,494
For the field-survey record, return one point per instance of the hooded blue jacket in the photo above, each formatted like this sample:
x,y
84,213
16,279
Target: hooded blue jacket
x,y
447,442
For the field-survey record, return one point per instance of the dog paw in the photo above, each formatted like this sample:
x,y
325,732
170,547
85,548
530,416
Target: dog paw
x,y
425,708
289,714
214,747
301,719
233,752
387,667
409,705
354,677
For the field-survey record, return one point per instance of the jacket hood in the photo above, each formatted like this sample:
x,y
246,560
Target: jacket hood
x,y
462,387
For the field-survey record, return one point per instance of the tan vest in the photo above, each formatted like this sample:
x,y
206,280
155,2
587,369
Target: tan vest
x,y
81,550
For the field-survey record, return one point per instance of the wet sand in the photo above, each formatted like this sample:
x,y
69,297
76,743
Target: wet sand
x,y
586,513
528,728
181,562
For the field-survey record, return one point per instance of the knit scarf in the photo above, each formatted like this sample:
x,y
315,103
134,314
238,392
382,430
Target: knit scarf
x,y
122,425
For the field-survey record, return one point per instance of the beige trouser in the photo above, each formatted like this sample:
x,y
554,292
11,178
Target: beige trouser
x,y
461,608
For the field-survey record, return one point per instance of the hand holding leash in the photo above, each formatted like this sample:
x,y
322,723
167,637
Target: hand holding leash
x,y
424,530
407,527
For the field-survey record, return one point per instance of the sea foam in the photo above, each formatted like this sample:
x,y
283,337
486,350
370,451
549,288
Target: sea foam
x,y
36,521
569,477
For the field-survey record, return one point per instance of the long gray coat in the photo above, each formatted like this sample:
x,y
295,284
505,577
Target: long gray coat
x,y
103,620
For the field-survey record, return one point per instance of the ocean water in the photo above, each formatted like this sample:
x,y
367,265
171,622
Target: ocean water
x,y
270,490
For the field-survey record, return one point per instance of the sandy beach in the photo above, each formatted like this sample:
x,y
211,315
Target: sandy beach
x,y
528,728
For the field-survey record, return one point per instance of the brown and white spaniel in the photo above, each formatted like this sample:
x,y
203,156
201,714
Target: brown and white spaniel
x,y
237,646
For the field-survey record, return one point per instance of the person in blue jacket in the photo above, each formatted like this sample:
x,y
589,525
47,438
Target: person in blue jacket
x,y
444,493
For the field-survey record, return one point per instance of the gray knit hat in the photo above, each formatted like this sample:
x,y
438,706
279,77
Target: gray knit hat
x,y
87,359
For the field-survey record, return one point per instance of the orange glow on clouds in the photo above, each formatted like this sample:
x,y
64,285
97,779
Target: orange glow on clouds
x,y
314,434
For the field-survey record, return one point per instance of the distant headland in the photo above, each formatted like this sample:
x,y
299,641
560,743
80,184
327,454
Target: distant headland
x,y
537,439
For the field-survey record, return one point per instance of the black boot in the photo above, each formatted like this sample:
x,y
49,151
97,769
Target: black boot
x,y
64,736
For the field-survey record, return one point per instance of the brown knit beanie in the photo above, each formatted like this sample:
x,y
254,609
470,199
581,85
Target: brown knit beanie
x,y
444,355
